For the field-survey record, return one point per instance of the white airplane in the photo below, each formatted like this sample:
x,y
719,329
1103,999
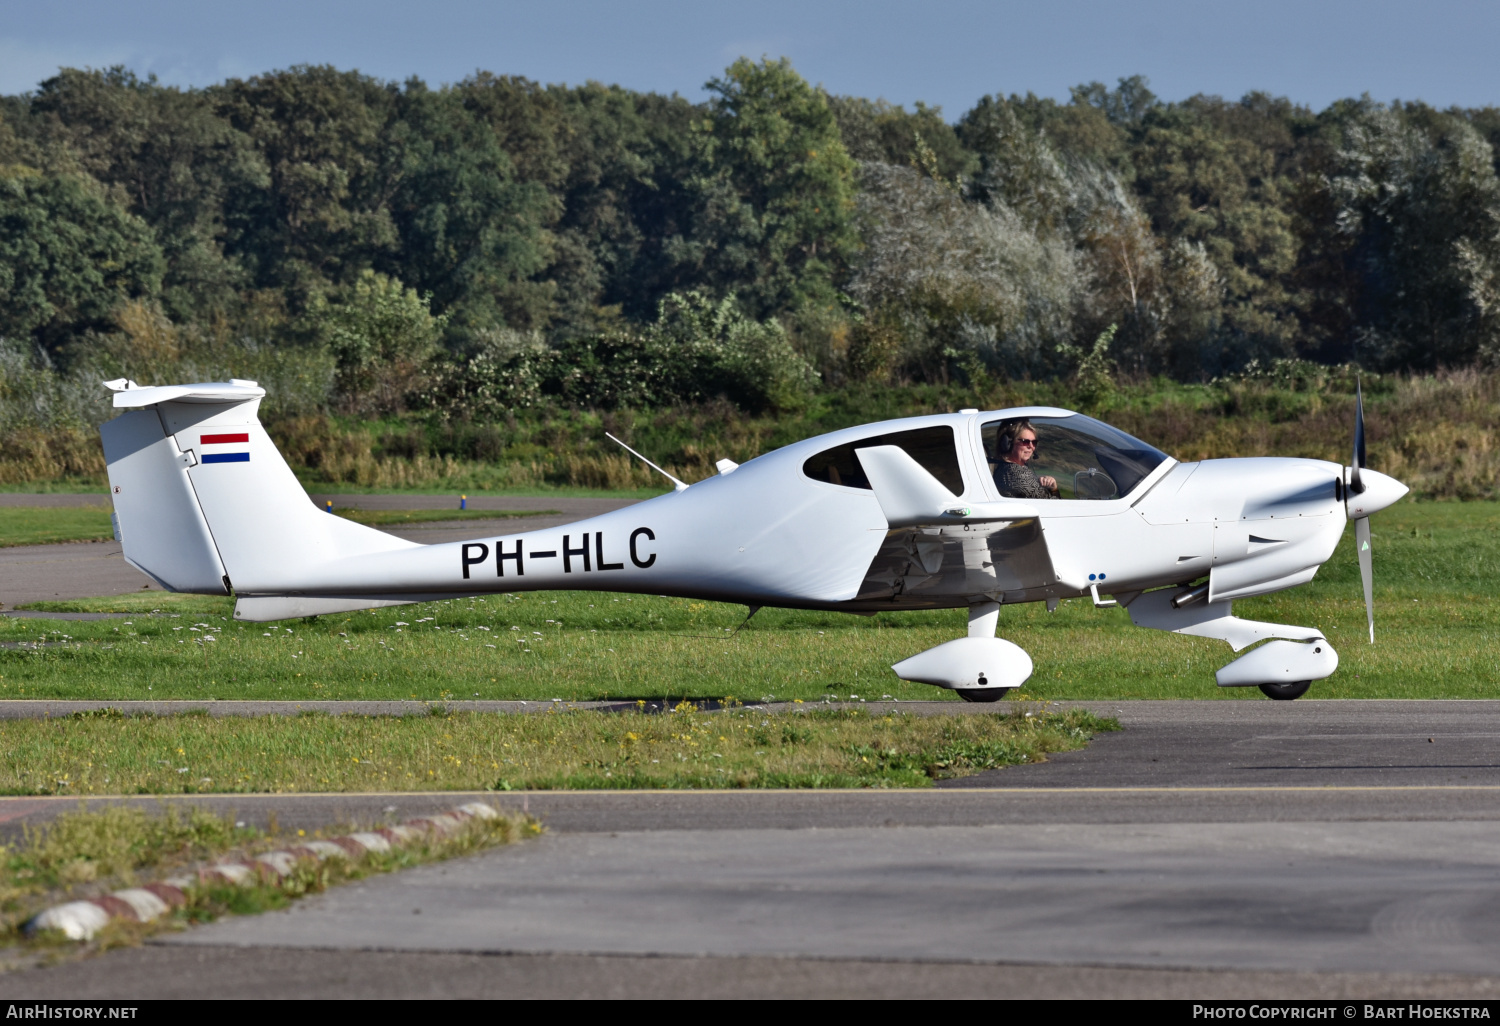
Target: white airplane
x,y
903,514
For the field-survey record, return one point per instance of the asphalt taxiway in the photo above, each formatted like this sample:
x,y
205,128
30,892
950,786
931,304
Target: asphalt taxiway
x,y
1209,849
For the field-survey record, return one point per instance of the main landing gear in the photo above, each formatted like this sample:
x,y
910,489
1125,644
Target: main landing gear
x,y
981,667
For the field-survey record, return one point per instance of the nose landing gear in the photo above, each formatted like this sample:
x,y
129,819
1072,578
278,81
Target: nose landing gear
x,y
981,694
1286,692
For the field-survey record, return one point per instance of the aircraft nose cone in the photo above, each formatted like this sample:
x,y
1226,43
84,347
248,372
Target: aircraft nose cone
x,y
1380,492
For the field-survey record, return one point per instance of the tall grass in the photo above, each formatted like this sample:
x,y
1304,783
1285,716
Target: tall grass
x,y
1440,433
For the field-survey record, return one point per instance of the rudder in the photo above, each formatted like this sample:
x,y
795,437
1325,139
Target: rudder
x,y
157,517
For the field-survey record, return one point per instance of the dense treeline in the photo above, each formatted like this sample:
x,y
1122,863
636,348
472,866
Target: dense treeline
x,y
465,253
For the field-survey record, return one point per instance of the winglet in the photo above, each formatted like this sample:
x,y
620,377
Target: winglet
x,y
909,496
907,493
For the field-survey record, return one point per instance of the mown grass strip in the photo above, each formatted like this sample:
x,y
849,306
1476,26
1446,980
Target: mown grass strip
x,y
161,603
104,753
46,525
1437,636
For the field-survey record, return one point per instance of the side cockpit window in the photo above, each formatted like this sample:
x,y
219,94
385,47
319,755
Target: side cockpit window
x,y
934,448
1082,457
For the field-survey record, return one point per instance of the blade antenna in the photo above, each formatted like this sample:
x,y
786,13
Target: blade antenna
x,y
720,637
677,485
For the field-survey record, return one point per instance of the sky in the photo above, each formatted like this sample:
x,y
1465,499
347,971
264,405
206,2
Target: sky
x,y
943,52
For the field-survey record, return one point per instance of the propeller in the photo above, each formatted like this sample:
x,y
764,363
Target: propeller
x,y
1366,571
1362,524
1356,485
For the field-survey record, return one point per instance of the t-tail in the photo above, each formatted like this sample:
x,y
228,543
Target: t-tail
x,y
205,503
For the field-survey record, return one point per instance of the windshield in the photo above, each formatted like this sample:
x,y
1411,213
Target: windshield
x,y
1074,458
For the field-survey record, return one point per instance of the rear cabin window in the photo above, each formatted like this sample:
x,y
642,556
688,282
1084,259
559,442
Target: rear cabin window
x,y
933,448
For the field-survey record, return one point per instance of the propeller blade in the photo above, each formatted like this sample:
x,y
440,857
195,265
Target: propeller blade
x,y
1366,570
1355,484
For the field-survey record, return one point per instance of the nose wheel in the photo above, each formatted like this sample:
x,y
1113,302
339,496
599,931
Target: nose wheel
x,y
1286,692
986,694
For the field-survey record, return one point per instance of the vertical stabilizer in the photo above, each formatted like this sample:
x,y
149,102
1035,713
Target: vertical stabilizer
x,y
215,484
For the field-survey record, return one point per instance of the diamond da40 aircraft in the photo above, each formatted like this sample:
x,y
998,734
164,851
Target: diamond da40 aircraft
x,y
905,514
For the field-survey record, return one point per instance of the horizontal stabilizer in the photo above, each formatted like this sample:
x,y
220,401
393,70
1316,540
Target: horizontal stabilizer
x,y
264,608
232,391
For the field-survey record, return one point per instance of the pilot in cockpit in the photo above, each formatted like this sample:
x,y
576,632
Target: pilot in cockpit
x,y
1015,445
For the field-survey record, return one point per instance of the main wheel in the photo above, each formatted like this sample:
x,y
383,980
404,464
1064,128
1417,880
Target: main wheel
x,y
982,694
1286,692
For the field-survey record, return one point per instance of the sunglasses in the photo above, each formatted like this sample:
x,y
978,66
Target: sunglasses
x,y
1026,441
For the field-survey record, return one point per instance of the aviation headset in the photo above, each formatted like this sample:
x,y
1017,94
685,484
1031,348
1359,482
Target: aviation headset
x,y
1005,441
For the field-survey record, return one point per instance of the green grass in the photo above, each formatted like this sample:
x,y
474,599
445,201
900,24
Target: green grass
x,y
87,852
144,602
388,517
36,525
62,486
1437,630
115,845
107,753
42,525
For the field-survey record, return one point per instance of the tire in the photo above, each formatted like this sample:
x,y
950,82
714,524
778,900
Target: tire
x,y
1286,692
982,694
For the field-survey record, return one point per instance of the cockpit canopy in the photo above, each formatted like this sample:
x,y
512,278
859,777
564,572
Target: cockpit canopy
x,y
1088,458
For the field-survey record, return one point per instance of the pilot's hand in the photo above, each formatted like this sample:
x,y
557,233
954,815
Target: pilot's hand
x,y
1049,483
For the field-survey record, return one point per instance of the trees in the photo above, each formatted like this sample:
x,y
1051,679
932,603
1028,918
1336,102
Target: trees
x,y
470,231
381,335
169,160
698,348
68,257
886,133
1208,178
1415,205
609,226
322,217
953,273
773,200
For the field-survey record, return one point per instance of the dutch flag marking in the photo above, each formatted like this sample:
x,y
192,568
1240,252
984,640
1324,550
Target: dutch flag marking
x,y
226,457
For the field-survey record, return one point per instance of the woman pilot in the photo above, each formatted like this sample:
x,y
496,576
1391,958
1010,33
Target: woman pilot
x,y
1015,445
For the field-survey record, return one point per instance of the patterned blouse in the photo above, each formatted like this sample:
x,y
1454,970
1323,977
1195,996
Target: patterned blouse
x,y
1018,481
